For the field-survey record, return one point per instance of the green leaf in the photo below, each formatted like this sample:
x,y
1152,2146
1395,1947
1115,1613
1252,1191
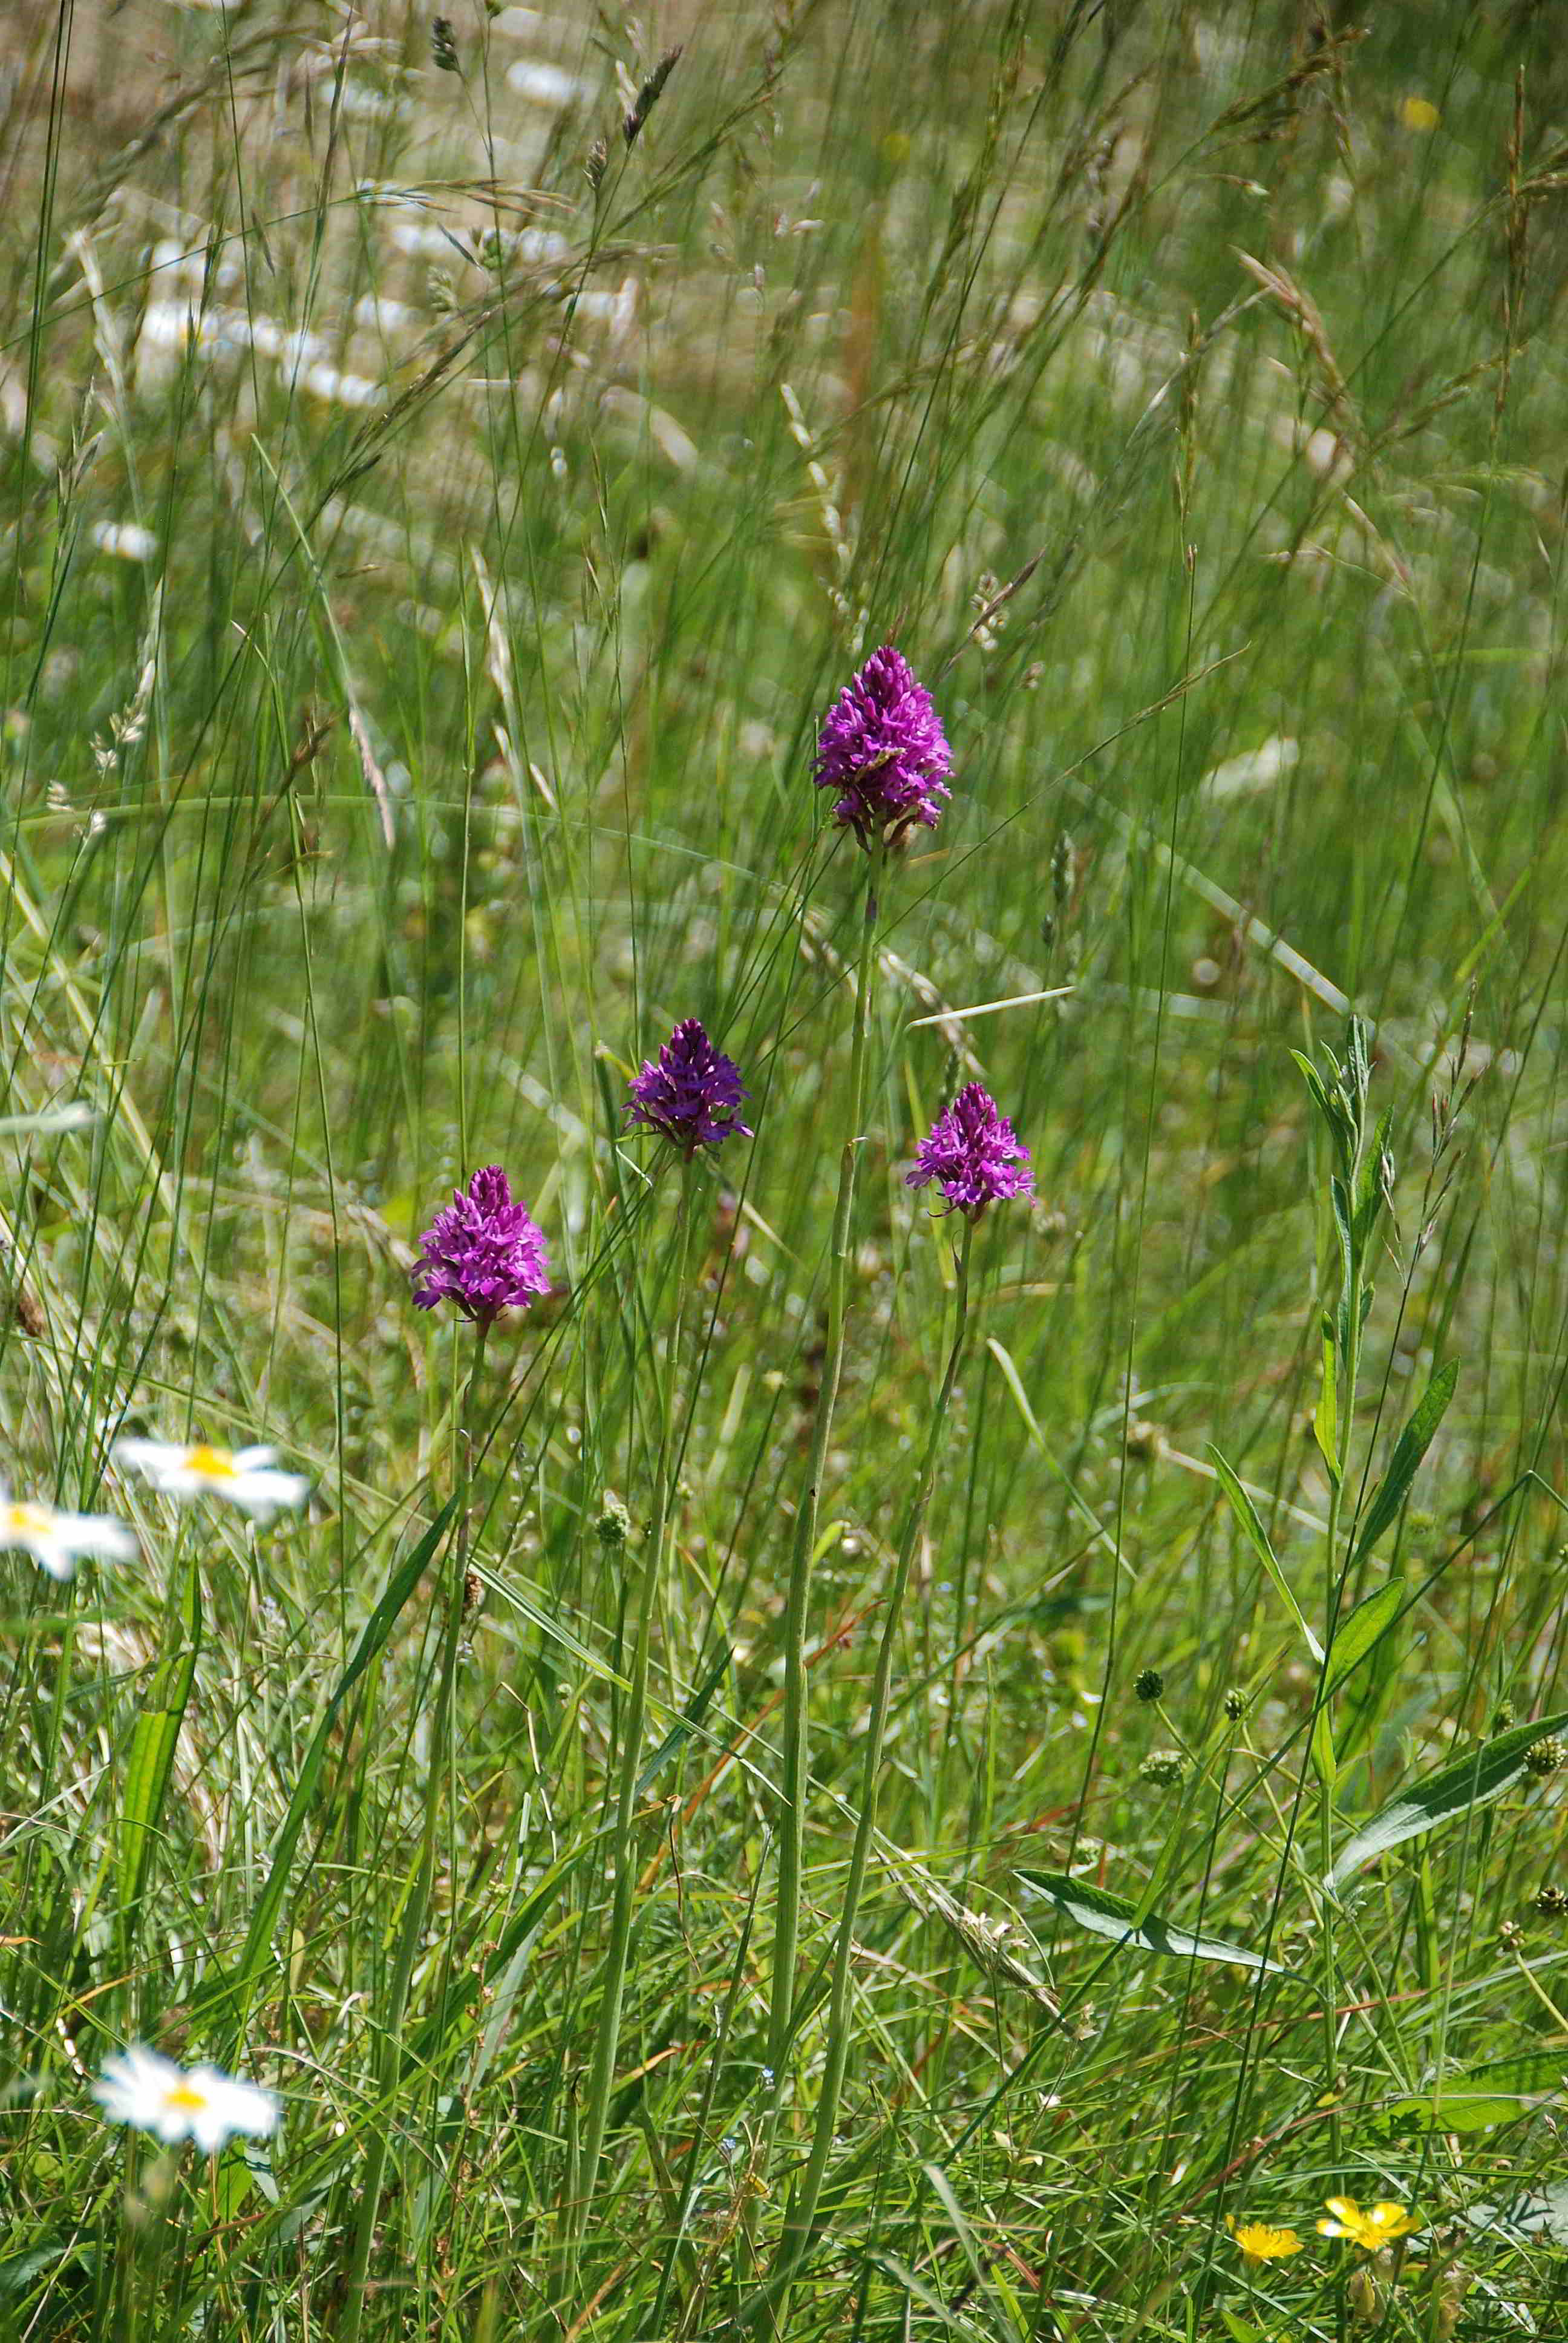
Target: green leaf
x,y
1538,2213
1455,1789
18,2271
237,1984
1326,1422
1526,2070
1246,1512
1460,2111
1104,1914
916,2289
984,2270
686,1724
1497,2091
1372,1192
1364,1627
1314,1082
1403,1464
155,1737
1339,1197
473,1979
149,1762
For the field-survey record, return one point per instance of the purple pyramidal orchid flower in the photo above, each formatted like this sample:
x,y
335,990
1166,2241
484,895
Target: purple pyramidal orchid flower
x,y
972,1154
484,1252
883,749
690,1092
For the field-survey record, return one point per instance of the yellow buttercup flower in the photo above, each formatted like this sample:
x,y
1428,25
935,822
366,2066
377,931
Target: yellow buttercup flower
x,y
1378,2226
1261,2242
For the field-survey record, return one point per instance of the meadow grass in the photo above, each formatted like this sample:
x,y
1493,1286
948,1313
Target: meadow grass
x,y
436,524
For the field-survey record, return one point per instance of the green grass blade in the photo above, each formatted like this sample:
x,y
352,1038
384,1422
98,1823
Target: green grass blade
x,y
237,1984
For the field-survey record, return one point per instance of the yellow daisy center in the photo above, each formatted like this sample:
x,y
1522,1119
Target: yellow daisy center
x,y
182,2095
29,1521
217,1463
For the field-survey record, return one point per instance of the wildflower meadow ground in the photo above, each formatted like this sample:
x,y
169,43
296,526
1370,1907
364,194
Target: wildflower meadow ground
x,y
784,1172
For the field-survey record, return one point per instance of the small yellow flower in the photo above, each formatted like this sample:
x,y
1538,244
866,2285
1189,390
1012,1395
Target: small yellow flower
x,y
1419,114
1259,2243
1378,2226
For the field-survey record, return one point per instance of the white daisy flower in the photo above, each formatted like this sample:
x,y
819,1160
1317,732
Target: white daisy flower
x,y
248,1477
174,2103
55,1540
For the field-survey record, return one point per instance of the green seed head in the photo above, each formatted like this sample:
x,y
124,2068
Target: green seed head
x,y
614,1521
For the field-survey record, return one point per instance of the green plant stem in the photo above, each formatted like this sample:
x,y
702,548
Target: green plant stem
x,y
613,1992
792,1822
800,2221
1336,1586
416,1910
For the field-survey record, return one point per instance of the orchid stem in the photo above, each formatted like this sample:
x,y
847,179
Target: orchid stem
x,y
417,1910
613,1992
800,2220
792,1824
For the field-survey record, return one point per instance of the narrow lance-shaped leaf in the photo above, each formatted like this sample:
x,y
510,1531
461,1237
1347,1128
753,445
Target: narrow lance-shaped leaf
x,y
1105,1915
1246,1512
1408,1451
1314,1082
1326,1421
688,1721
155,1737
1472,1781
1497,2091
1372,1191
1364,1627
1338,1198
